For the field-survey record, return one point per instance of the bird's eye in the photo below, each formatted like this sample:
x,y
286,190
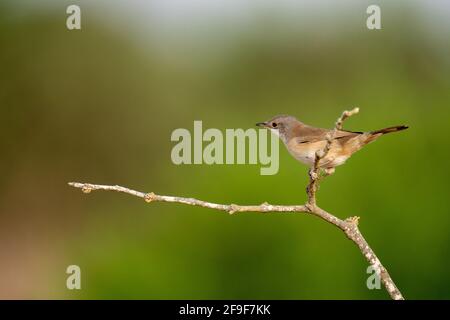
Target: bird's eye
x,y
274,125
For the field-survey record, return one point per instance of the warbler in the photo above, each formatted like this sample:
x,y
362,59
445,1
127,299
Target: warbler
x,y
304,142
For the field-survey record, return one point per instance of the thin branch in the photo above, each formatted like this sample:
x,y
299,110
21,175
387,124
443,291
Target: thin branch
x,y
315,172
151,197
349,226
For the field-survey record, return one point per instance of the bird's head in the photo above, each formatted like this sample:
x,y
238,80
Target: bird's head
x,y
280,125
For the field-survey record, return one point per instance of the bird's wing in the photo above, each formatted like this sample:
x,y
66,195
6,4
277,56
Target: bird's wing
x,y
312,134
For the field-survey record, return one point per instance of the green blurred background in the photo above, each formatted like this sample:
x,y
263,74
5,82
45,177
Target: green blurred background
x,y
99,105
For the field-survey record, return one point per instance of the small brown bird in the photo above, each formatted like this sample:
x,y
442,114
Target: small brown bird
x,y
303,141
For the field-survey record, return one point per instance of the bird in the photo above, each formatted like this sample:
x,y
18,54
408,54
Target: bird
x,y
305,142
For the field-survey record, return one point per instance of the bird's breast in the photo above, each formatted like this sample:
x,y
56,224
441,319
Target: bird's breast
x,y
305,152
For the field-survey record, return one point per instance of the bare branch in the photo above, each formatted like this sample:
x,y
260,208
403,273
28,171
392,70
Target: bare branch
x,y
348,226
151,197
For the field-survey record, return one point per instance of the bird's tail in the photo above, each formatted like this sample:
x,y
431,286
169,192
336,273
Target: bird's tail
x,y
374,135
389,130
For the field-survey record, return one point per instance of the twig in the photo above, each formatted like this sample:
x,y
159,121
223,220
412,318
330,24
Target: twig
x,y
151,197
314,172
349,226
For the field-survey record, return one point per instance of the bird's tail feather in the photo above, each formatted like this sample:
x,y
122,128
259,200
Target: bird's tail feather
x,y
389,130
374,135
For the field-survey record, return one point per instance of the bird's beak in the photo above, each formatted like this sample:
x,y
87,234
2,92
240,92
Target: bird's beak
x,y
261,124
